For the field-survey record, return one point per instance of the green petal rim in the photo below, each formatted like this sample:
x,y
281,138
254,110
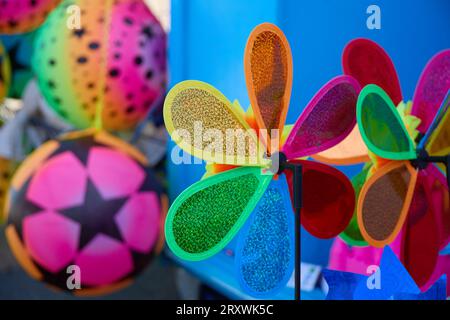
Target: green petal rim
x,y
404,155
264,181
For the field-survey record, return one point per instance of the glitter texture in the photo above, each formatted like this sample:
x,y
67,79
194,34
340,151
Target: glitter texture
x,y
194,106
269,72
330,118
384,202
265,262
439,142
206,217
433,85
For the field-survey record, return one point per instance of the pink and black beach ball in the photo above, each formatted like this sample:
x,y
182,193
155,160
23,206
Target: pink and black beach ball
x,y
86,200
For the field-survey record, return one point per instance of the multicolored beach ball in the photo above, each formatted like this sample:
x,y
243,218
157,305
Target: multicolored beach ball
x,y
85,200
114,61
18,16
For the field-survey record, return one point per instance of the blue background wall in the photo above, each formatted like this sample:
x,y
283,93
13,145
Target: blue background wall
x,y
208,39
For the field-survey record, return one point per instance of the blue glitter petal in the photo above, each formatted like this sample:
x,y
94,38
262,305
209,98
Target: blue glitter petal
x,y
265,249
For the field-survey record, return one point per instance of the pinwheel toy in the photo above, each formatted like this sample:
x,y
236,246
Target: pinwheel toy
x,y
244,177
417,245
389,281
116,60
406,182
368,63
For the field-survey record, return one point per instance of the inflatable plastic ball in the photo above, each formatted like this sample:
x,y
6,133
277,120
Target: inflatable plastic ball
x,y
5,73
115,61
18,16
85,202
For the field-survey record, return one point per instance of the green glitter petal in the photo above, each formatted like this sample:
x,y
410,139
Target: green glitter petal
x,y
207,215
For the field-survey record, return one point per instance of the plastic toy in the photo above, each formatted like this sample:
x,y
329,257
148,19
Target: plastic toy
x,y
85,200
242,179
388,281
406,184
113,64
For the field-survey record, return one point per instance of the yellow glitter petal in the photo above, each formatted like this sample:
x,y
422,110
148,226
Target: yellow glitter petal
x,y
204,123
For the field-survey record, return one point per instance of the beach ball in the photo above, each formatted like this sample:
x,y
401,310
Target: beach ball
x,y
18,16
85,202
114,62
5,72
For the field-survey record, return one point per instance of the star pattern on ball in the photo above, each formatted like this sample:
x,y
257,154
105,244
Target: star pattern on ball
x,y
96,215
23,208
80,147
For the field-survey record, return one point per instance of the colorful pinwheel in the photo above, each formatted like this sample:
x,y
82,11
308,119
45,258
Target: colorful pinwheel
x,y
389,281
427,226
207,215
406,182
368,63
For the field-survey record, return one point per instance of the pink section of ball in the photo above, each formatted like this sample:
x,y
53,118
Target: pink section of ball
x,y
114,173
51,239
138,221
143,58
59,183
104,261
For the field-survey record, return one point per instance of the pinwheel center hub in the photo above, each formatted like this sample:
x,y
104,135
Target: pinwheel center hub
x,y
279,162
423,160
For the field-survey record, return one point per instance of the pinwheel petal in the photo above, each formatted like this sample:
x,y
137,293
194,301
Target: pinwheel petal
x,y
326,121
268,73
384,202
328,199
204,123
440,200
420,245
265,250
431,89
352,235
381,126
341,285
351,150
207,215
368,63
437,138
394,278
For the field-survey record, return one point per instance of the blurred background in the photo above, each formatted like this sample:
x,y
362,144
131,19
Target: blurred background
x,y
206,41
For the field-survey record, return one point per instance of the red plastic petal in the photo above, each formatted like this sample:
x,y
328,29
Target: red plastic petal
x,y
368,63
328,199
